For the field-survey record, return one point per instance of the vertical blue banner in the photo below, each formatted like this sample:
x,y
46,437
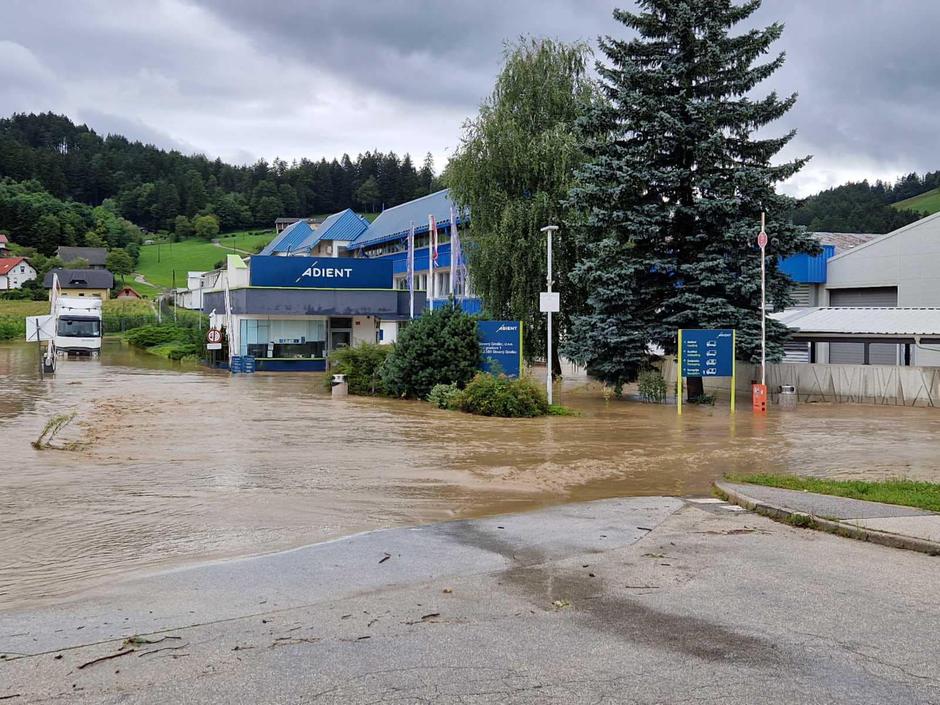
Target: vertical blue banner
x,y
501,346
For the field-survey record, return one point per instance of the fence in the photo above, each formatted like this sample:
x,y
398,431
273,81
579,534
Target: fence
x,y
851,384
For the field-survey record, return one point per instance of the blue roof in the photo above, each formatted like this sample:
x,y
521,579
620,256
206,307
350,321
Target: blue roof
x,y
395,222
344,226
290,238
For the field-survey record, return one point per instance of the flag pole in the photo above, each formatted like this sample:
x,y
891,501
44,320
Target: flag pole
x,y
432,254
411,271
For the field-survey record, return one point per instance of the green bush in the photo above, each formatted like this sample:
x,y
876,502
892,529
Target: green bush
x,y
652,386
362,365
11,330
445,396
168,340
491,395
440,347
154,335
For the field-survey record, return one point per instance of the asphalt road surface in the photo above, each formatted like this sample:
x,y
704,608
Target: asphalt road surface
x,y
642,600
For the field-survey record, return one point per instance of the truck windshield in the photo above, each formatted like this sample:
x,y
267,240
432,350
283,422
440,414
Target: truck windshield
x,y
72,328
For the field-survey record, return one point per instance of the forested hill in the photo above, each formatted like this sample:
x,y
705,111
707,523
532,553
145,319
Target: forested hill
x,y
151,186
867,208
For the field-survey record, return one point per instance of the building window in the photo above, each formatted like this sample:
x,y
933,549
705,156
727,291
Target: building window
x,y
283,338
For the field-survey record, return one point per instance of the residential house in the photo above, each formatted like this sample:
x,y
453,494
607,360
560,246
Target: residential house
x,y
95,256
14,272
128,292
82,282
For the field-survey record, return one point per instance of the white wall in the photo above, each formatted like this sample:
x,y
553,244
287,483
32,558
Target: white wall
x,y
15,278
908,258
364,328
389,332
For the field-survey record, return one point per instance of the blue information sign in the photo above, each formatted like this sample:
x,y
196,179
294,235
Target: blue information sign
x,y
501,346
321,272
707,353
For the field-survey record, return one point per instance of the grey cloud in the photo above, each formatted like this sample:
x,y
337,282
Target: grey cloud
x,y
239,78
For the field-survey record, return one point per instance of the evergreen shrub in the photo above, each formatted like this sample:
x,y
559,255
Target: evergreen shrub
x,y
492,395
440,347
362,364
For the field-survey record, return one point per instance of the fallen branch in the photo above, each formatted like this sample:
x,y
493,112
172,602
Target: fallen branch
x,y
106,658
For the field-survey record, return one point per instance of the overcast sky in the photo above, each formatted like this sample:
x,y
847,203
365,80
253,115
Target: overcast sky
x,y
245,79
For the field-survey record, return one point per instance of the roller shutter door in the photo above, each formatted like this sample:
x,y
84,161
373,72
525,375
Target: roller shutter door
x,y
846,353
867,296
854,354
802,295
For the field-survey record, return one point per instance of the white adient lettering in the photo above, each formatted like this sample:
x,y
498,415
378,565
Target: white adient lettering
x,y
326,272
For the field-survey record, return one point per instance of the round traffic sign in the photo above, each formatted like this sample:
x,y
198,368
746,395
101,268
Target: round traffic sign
x,y
762,240
214,335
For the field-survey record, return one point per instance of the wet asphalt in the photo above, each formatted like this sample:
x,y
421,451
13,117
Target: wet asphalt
x,y
641,600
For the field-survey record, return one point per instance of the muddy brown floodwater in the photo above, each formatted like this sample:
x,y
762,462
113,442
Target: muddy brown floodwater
x,y
180,464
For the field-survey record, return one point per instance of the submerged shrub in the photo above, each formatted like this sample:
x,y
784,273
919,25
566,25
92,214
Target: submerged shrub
x,y
445,396
151,336
652,386
362,364
492,395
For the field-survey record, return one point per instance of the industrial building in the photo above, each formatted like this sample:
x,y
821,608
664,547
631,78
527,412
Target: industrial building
x,y
313,289
868,299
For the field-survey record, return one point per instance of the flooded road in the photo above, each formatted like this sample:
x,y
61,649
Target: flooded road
x,y
178,464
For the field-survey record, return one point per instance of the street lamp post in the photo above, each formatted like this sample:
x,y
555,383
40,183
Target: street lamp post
x,y
549,230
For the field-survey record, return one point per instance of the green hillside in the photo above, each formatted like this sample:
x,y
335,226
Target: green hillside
x,y
158,262
926,203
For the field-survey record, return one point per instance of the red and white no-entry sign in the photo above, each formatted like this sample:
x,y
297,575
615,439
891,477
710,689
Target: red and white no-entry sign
x,y
762,240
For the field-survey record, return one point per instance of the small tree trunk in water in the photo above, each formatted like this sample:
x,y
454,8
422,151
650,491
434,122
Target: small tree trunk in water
x,y
695,387
556,361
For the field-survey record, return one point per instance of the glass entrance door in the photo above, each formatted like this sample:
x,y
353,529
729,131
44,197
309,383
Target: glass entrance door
x,y
340,339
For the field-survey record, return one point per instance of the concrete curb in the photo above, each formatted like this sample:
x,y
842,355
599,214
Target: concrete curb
x,y
831,526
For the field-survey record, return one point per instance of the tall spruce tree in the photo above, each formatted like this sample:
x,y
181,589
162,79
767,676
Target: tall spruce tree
x,y
670,199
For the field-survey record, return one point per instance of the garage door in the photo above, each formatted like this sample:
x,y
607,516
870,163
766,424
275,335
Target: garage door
x,y
854,354
865,296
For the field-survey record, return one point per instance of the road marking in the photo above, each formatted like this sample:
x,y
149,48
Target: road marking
x,y
706,500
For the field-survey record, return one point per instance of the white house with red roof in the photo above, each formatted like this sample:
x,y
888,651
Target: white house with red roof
x,y
14,272
4,243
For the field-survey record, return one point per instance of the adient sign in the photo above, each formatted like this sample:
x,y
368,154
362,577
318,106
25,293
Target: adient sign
x,y
321,272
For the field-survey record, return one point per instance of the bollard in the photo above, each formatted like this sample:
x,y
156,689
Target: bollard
x,y
339,387
788,397
759,398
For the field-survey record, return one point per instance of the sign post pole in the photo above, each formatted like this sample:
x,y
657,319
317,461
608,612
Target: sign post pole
x,y
679,375
549,305
762,241
759,391
734,367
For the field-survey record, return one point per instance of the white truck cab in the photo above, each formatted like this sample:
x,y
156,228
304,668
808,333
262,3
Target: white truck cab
x,y
77,325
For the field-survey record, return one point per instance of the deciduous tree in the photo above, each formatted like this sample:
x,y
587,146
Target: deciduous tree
x,y
513,171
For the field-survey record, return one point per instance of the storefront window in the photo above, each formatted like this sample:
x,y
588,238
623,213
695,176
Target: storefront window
x,y
283,338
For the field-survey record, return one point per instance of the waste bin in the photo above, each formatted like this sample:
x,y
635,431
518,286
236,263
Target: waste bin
x,y
787,398
339,387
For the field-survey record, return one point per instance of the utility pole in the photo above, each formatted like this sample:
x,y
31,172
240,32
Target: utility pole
x,y
549,307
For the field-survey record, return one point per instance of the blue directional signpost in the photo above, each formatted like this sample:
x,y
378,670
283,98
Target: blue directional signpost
x,y
707,352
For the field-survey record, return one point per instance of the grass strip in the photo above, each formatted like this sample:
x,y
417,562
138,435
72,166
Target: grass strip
x,y
908,493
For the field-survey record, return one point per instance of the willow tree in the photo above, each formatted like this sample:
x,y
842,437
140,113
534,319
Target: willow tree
x,y
675,184
513,170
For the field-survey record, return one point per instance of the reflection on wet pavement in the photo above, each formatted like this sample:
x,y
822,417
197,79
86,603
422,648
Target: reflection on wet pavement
x,y
182,464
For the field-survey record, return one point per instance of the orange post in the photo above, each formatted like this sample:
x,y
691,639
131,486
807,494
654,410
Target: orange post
x,y
759,398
